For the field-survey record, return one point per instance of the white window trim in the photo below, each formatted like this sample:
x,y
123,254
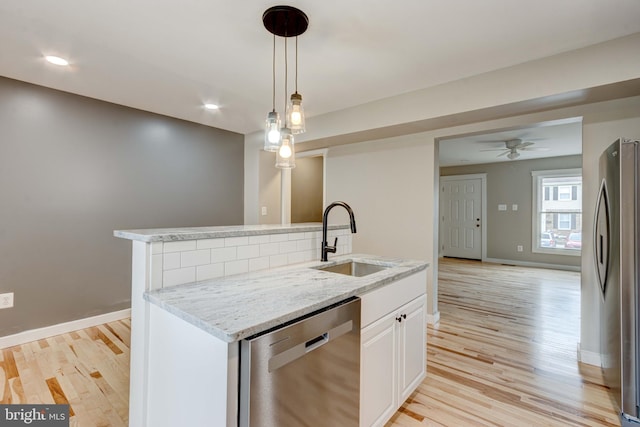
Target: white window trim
x,y
536,203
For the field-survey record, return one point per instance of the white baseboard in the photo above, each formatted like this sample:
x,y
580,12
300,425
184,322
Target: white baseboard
x,y
532,264
589,357
434,318
62,328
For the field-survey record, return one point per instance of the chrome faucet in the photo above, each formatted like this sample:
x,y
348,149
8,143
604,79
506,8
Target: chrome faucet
x,y
325,247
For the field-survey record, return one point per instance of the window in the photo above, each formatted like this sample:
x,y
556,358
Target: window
x,y
557,217
564,192
564,221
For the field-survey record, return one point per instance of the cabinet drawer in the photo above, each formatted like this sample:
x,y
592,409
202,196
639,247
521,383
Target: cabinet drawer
x,y
384,300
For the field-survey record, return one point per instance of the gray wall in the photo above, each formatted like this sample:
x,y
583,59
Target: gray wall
x,y
306,190
73,169
509,183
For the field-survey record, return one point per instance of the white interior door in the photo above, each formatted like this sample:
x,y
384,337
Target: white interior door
x,y
461,217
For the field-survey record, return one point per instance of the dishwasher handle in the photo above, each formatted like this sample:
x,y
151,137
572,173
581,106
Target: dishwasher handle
x,y
316,342
281,359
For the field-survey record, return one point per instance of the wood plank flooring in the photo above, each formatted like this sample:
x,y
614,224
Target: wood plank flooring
x,y
87,369
503,354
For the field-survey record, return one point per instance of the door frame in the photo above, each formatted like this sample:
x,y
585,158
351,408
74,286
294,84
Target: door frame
x,y
285,184
483,210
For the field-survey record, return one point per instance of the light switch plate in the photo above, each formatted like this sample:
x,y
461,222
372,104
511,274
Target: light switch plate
x,y
264,210
514,207
6,300
502,207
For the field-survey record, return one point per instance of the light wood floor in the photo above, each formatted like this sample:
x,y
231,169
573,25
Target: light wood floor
x,y
504,353
87,369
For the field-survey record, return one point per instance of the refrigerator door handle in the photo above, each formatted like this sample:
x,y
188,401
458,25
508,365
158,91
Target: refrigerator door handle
x,y
601,236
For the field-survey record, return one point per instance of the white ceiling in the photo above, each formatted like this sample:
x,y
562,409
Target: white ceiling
x,y
552,139
170,57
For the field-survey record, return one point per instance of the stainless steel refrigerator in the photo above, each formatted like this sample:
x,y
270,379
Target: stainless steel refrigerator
x,y
616,256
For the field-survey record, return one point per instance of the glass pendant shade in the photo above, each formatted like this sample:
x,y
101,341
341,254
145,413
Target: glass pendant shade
x,y
272,136
295,114
286,154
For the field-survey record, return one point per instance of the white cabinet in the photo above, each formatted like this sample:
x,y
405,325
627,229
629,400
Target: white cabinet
x,y
378,372
393,349
412,348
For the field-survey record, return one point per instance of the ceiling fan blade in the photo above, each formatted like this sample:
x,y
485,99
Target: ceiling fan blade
x,y
524,145
493,149
504,154
535,149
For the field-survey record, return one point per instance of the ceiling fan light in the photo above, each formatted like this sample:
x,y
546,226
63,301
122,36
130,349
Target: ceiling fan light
x,y
513,155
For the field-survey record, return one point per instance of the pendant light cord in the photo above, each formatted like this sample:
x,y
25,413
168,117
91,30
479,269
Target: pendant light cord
x,y
285,80
273,73
296,64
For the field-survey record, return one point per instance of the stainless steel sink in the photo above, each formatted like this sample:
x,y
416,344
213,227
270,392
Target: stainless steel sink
x,y
354,268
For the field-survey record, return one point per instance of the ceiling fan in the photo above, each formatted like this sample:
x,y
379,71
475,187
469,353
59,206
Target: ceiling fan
x,y
513,147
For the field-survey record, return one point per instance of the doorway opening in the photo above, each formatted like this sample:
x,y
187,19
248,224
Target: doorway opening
x,y
308,187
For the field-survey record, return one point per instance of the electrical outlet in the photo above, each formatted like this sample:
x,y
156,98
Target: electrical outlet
x,y
6,300
264,210
520,248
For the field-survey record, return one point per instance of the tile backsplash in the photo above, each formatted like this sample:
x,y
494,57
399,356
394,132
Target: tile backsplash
x,y
180,262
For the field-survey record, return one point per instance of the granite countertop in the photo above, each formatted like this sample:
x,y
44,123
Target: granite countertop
x,y
193,233
235,307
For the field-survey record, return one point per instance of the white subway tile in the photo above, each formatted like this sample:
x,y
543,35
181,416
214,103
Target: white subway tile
x,y
193,258
179,246
156,271
313,255
257,240
277,260
267,249
179,276
261,263
274,238
171,261
287,247
295,257
210,243
248,251
296,236
223,254
236,267
209,271
156,247
236,241
304,245
313,235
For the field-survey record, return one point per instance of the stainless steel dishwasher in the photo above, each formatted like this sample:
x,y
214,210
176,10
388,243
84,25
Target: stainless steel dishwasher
x,y
304,373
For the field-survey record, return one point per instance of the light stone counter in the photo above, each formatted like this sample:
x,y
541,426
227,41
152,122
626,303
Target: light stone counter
x,y
197,233
235,307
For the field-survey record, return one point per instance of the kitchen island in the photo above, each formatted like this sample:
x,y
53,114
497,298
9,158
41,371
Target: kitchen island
x,y
186,325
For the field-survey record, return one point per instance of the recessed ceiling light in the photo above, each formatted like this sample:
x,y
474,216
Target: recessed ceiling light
x,y
57,60
211,106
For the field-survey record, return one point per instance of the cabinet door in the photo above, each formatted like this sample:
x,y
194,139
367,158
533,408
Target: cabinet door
x,y
378,372
412,337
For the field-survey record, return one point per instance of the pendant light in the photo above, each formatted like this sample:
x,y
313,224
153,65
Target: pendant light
x,y
295,111
272,124
286,154
285,21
